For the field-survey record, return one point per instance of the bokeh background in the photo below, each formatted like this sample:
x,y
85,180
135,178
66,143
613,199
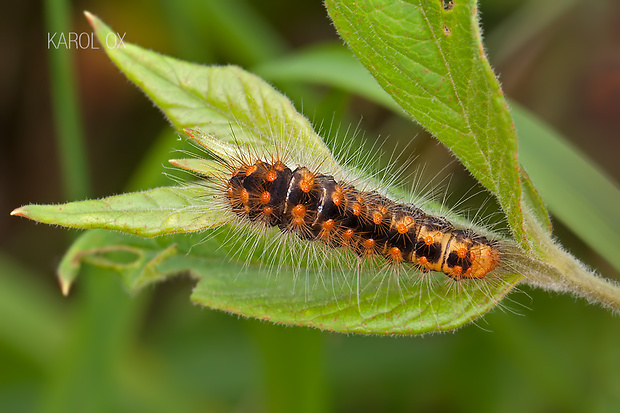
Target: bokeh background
x,y
102,350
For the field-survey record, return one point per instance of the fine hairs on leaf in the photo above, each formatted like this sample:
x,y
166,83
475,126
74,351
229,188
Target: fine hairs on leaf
x,y
433,65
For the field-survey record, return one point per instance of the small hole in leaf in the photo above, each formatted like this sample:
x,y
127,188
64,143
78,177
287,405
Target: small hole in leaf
x,y
446,30
447,4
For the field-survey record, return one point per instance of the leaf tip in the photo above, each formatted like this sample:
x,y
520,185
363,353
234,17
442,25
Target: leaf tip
x,y
92,19
65,286
19,212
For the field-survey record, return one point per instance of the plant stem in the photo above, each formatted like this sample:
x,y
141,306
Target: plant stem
x,y
585,283
563,272
68,126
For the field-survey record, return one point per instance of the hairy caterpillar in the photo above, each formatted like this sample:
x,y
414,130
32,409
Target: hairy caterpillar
x,y
262,190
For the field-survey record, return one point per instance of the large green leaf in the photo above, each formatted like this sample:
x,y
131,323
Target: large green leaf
x,y
226,101
379,304
428,56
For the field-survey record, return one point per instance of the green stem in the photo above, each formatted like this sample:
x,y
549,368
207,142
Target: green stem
x,y
585,283
565,273
67,118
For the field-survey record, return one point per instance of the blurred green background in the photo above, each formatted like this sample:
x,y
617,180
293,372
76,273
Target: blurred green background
x,y
101,350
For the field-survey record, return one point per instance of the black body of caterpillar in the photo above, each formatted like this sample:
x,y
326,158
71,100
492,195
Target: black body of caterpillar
x,y
317,207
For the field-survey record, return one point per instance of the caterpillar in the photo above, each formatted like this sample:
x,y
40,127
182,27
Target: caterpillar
x,y
265,191
314,206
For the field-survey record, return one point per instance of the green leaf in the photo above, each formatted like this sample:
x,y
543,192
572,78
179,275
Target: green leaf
x,y
289,295
150,213
229,103
383,306
428,56
135,258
